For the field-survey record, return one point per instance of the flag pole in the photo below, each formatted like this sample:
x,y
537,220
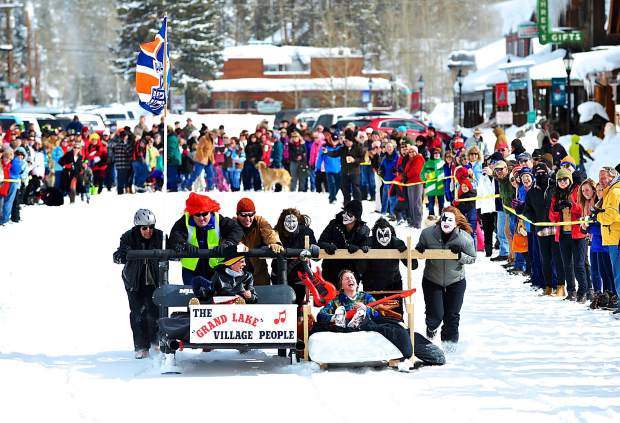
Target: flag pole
x,y
164,187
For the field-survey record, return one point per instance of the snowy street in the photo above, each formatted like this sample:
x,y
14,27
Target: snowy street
x,y
66,349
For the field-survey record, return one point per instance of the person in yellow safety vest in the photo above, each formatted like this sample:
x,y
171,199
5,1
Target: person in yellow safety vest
x,y
202,227
256,232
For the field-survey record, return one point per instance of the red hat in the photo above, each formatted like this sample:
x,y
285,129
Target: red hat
x,y
245,205
467,183
461,173
197,203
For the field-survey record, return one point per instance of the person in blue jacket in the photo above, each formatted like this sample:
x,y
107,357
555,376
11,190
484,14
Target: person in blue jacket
x,y
331,165
17,167
387,172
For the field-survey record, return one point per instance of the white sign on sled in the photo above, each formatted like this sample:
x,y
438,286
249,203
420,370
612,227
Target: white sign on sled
x,y
250,323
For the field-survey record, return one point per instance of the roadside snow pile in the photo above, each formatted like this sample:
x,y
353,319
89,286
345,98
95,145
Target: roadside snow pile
x,y
588,109
607,153
442,117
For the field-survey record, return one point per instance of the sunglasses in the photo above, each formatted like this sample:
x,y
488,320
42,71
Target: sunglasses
x,y
203,214
149,227
246,214
522,161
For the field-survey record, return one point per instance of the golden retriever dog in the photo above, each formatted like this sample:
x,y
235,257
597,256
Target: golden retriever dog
x,y
271,177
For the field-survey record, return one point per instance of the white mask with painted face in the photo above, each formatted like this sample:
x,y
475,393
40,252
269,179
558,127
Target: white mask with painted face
x,y
291,223
384,236
347,218
448,222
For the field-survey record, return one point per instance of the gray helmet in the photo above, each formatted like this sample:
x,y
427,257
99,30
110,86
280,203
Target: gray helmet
x,y
144,217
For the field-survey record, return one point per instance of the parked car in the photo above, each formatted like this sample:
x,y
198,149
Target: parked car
x,y
36,120
414,127
92,120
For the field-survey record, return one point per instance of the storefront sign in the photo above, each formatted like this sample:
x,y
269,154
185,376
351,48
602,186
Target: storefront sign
x,y
558,92
268,106
501,94
528,30
237,323
519,84
531,116
503,118
546,35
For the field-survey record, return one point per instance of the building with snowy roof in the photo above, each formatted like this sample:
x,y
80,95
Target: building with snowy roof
x,y
296,77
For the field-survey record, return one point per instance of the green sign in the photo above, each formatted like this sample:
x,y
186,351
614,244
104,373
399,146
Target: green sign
x,y
531,116
546,35
518,84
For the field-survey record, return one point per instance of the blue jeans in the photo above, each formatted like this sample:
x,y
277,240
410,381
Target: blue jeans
x,y
367,180
602,275
140,173
501,236
431,204
233,175
198,168
614,255
312,177
387,206
333,185
7,207
173,178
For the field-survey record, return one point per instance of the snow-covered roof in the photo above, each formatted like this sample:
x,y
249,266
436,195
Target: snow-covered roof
x,y
352,83
481,57
515,12
284,55
601,60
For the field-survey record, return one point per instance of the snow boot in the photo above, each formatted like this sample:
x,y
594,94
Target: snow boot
x,y
581,298
603,300
430,334
169,365
449,346
613,301
357,319
548,291
340,318
141,353
572,296
595,300
499,258
561,291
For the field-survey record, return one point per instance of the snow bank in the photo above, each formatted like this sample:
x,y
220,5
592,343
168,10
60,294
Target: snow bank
x,y
442,117
588,109
607,153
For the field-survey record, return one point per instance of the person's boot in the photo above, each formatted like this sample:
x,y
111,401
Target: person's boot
x,y
548,291
561,291
488,250
603,300
572,296
499,258
595,298
581,298
430,334
141,353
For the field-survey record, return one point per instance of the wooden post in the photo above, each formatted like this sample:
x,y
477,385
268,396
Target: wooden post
x,y
411,299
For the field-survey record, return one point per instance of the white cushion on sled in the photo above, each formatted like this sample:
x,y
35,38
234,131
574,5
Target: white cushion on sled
x,y
352,347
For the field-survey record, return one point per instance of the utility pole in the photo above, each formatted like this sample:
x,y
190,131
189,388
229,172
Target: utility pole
x,y
28,50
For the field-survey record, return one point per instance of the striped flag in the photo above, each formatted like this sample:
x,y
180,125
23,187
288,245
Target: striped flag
x,y
150,73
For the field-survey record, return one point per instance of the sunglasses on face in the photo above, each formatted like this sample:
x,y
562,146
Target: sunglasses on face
x,y
247,214
522,161
203,214
149,227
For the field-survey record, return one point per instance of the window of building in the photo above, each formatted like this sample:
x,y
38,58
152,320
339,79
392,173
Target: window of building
x,y
223,104
247,104
310,102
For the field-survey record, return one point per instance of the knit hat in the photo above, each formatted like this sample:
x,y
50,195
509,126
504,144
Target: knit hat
x,y
197,203
568,160
516,170
245,205
467,183
564,173
526,170
355,208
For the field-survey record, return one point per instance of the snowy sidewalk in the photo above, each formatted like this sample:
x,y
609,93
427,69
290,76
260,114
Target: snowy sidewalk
x,y
66,346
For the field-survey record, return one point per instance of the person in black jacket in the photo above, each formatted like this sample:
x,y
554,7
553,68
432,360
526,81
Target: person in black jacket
x,y
71,162
202,227
293,227
384,275
253,155
346,230
141,277
351,155
536,209
230,279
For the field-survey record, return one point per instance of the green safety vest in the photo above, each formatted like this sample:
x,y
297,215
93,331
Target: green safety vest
x,y
213,240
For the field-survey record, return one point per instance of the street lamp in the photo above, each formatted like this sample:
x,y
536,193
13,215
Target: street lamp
x,y
459,79
568,65
370,92
421,88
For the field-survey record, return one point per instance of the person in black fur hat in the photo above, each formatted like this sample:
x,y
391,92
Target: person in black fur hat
x,y
346,230
384,275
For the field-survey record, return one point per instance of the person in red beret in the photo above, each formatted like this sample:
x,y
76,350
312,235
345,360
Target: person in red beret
x,y
257,232
202,227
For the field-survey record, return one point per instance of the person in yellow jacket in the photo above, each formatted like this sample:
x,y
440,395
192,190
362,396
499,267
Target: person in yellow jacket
x,y
202,227
257,232
609,217
578,153
203,160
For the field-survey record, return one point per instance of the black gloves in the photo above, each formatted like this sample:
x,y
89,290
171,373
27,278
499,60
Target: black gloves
x,y
202,287
120,257
420,249
329,248
400,245
455,249
352,248
225,250
562,204
365,248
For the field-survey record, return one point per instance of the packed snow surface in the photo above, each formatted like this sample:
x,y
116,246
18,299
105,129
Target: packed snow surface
x,y
66,348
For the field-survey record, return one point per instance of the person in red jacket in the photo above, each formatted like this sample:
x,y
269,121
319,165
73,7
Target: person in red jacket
x,y
97,156
415,193
573,243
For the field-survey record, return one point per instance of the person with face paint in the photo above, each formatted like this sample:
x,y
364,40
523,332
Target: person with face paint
x,y
292,228
346,230
384,275
443,282
202,227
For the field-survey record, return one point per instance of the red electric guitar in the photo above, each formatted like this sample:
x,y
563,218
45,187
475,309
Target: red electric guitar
x,y
322,290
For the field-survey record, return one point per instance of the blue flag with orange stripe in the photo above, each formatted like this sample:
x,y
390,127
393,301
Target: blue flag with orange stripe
x,y
150,72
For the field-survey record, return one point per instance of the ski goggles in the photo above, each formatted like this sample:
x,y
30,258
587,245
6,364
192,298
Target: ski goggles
x,y
149,227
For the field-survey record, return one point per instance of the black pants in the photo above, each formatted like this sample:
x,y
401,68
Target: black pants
x,y
19,199
350,185
321,182
550,254
250,177
444,305
123,180
143,317
573,253
488,227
